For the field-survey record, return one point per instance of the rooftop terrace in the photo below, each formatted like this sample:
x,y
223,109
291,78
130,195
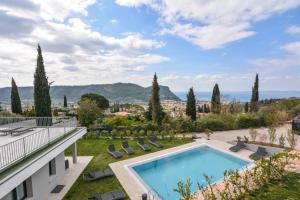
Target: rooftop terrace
x,y
22,137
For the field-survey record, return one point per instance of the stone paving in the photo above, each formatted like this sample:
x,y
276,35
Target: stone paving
x,y
71,175
232,135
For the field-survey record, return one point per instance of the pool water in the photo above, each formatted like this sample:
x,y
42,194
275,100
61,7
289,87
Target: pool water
x,y
162,175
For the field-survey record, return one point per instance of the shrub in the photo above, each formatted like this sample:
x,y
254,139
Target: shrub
x,y
272,134
292,138
268,116
281,140
208,133
282,117
184,189
113,133
247,121
295,111
253,134
213,124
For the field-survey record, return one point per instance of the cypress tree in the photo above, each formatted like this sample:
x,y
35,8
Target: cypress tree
x,y
208,109
15,98
42,100
148,113
216,100
246,107
254,96
191,105
157,112
65,101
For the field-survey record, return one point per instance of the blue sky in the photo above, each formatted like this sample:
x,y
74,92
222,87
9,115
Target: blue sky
x,y
189,44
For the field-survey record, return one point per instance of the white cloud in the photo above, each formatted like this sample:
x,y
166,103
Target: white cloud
x,y
291,59
293,47
69,45
113,21
211,24
293,30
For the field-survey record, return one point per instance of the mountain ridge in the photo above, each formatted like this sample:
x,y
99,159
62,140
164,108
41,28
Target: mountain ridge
x,y
116,92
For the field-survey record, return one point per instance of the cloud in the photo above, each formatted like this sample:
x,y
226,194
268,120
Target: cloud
x,y
71,68
69,45
113,21
290,59
13,26
293,48
212,24
293,30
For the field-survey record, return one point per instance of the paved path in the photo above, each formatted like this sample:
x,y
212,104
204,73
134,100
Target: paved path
x,y
232,135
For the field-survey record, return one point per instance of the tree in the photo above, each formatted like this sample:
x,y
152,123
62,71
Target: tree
x,y
148,113
88,111
101,101
200,109
246,107
216,100
255,96
15,98
65,101
191,105
42,99
157,113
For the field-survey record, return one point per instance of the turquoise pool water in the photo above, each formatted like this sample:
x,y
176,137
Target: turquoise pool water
x,y
162,175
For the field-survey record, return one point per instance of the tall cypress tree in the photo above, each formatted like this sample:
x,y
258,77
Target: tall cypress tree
x,y
246,107
191,105
216,100
15,98
254,96
157,112
148,113
65,101
42,100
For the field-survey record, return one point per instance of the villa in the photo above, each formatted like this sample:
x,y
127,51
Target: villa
x,y
32,159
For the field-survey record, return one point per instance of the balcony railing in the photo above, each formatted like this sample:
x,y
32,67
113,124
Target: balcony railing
x,y
40,133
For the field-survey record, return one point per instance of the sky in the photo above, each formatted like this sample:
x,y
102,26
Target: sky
x,y
190,43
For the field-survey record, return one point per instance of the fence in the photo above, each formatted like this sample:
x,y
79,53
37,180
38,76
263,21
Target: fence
x,y
18,148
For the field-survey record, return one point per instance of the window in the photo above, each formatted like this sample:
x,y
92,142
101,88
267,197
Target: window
x,y
19,193
52,167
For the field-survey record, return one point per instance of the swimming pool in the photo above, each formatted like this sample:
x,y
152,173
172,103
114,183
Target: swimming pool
x,y
162,174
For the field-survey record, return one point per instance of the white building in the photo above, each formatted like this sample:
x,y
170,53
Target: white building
x,y
32,160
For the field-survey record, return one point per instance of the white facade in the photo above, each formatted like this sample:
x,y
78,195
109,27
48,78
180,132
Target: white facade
x,y
33,179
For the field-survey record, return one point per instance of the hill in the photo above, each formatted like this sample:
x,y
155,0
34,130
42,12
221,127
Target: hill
x,y
121,92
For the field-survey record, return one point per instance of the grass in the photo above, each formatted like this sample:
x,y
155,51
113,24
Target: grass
x,y
288,188
97,148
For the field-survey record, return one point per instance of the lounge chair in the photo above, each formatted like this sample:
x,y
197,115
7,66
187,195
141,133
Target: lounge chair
x,y
239,145
9,130
21,131
112,151
113,195
127,148
261,152
93,176
142,144
154,141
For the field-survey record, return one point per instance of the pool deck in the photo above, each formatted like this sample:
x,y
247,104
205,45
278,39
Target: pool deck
x,y
135,188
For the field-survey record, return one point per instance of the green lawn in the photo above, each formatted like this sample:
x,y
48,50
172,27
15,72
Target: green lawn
x,y
97,148
288,188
